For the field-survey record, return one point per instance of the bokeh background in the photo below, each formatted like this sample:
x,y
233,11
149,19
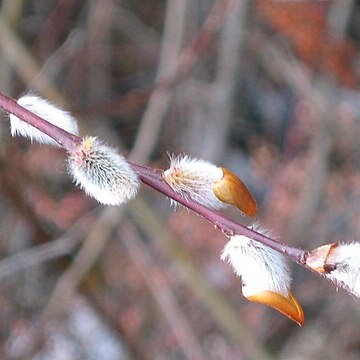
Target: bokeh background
x,y
269,89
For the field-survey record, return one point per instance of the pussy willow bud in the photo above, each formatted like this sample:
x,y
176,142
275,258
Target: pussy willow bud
x,y
103,173
340,263
264,273
208,184
48,112
193,178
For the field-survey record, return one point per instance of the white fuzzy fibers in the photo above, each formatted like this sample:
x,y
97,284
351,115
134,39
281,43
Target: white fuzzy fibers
x,y
260,267
345,261
48,112
103,173
193,178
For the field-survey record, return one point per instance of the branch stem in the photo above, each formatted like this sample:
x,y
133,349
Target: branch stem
x,y
153,178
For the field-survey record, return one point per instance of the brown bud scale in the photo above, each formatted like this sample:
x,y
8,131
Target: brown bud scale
x,y
231,190
317,260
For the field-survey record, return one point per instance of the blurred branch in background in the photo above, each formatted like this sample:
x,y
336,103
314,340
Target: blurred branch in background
x,y
39,254
159,99
99,57
24,63
222,96
323,104
161,291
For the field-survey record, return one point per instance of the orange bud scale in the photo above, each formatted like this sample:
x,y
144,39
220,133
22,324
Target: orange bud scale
x,y
288,306
231,190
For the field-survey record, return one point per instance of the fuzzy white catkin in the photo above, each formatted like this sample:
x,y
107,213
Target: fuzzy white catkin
x,y
103,173
345,261
48,112
260,267
193,178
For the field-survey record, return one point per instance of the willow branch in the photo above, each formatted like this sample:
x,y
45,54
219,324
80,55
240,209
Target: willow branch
x,y
153,178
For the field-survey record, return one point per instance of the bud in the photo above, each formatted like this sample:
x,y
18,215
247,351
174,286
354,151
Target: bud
x,y
208,184
48,112
193,178
339,263
102,173
264,273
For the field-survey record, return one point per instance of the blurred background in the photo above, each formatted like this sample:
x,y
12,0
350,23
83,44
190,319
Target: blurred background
x,y
269,89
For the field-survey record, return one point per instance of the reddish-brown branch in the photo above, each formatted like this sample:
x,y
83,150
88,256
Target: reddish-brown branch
x,y
153,178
